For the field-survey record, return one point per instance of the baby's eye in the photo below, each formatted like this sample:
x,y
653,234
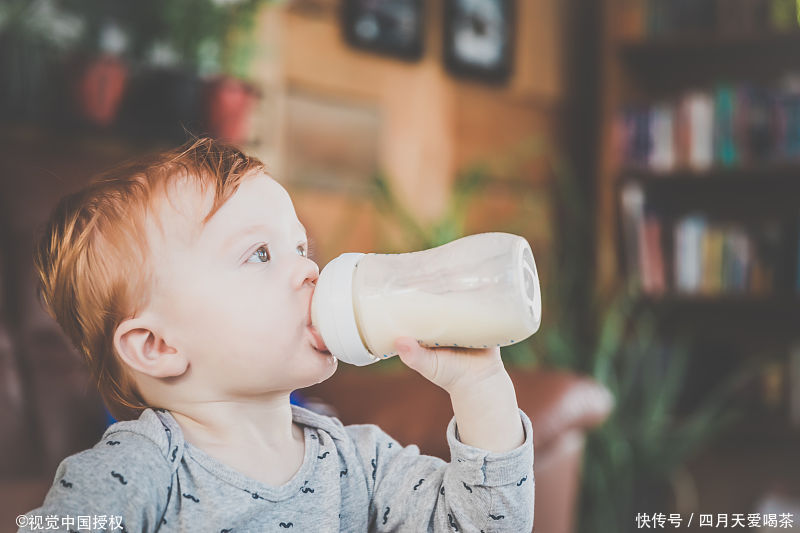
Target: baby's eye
x,y
261,254
303,250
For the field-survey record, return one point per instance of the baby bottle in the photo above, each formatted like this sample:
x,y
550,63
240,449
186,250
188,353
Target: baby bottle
x,y
475,292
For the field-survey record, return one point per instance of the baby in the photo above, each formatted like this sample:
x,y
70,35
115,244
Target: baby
x,y
185,282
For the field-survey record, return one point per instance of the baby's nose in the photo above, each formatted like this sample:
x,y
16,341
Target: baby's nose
x,y
309,272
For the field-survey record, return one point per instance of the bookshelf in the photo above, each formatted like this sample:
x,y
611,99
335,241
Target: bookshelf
x,y
698,196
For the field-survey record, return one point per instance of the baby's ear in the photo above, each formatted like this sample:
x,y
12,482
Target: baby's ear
x,y
142,348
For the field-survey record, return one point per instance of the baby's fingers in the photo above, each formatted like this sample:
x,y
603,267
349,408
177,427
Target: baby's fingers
x,y
416,357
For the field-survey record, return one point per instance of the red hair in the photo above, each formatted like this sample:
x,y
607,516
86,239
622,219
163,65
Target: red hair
x,y
92,256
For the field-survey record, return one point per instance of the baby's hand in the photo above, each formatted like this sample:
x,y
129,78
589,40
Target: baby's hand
x,y
450,368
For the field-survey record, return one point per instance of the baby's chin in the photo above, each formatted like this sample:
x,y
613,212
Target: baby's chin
x,y
332,363
325,365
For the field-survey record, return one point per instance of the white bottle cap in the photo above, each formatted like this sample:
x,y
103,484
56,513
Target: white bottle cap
x,y
333,311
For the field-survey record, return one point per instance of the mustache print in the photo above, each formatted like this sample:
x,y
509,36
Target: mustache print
x,y
419,483
323,456
386,515
112,442
66,484
119,476
190,497
452,522
521,481
255,495
496,517
286,524
467,487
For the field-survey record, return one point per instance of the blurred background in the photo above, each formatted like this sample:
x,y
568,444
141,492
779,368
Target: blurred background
x,y
647,149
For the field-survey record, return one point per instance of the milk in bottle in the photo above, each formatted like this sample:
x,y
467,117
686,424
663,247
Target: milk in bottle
x,y
478,291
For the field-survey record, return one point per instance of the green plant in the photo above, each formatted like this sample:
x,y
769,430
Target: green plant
x,y
206,36
448,227
212,35
631,461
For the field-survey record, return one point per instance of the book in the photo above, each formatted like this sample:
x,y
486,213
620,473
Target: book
x,y
655,256
632,213
699,112
662,155
739,254
724,125
687,260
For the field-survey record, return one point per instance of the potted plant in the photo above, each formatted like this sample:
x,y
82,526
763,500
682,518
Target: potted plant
x,y
230,97
98,72
191,60
175,45
215,38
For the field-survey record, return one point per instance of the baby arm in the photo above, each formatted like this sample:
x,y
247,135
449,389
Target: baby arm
x,y
487,414
477,491
488,485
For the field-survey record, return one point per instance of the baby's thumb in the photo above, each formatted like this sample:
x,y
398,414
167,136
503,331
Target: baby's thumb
x,y
415,356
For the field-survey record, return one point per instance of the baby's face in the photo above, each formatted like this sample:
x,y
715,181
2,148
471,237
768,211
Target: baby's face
x,y
234,295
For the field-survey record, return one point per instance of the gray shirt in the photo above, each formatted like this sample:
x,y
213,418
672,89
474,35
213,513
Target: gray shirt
x,y
144,476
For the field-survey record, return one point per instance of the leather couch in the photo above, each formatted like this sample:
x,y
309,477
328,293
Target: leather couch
x,y
49,409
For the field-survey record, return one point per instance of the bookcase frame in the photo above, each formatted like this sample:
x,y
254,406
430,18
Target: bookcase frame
x,y
648,69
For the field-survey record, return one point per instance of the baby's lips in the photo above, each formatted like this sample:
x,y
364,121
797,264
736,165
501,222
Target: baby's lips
x,y
319,344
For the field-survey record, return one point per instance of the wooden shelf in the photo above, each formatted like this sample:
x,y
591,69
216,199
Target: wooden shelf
x,y
709,42
771,191
759,319
734,302
663,65
779,172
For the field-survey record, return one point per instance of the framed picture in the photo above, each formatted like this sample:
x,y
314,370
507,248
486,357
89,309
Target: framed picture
x,y
479,38
393,27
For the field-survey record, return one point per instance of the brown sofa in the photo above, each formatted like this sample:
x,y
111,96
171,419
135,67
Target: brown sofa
x,y
50,409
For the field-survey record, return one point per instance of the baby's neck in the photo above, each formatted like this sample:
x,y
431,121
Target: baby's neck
x,y
269,466
257,439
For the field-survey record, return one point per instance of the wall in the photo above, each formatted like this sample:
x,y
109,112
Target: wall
x,y
427,124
